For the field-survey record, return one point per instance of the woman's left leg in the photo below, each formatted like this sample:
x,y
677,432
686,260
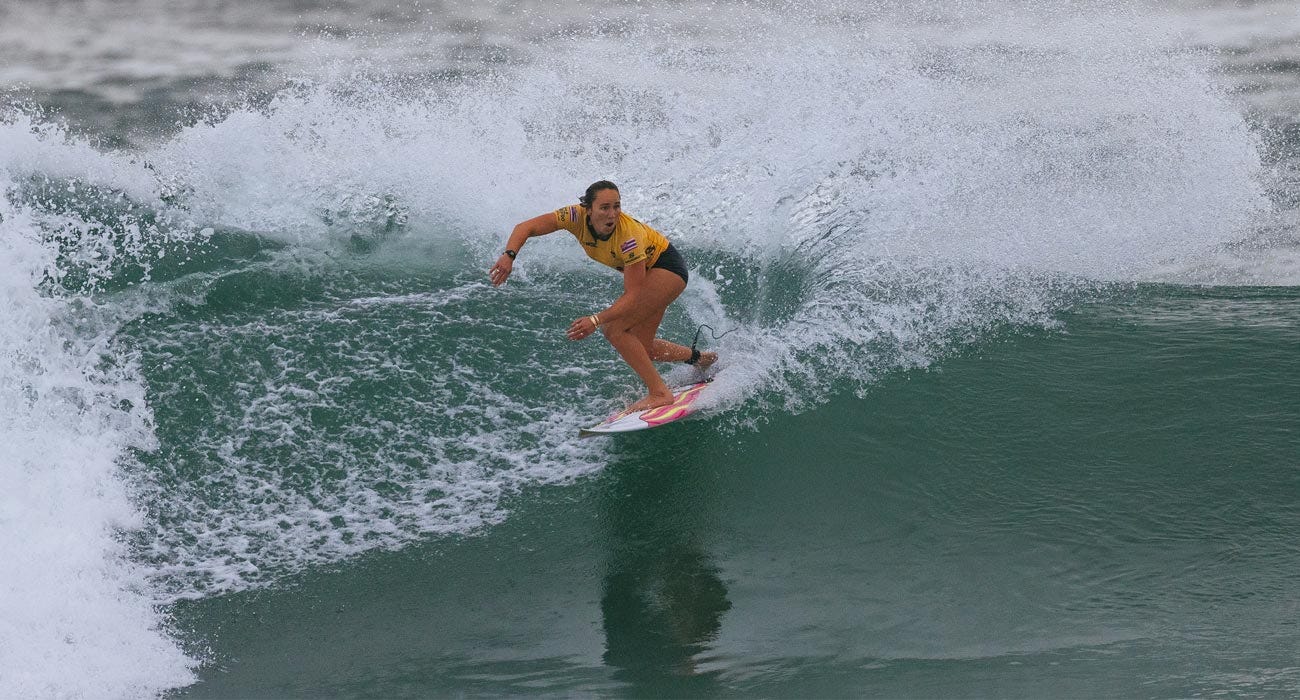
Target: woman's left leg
x,y
667,351
661,350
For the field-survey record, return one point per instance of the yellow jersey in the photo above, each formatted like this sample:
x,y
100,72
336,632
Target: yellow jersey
x,y
630,243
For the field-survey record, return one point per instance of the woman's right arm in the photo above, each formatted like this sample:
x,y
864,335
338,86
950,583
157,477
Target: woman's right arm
x,y
536,226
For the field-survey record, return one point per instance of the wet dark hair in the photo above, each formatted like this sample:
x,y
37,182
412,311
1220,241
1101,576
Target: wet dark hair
x,y
592,189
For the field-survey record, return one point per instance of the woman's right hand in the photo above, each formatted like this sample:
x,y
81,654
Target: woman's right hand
x,y
501,270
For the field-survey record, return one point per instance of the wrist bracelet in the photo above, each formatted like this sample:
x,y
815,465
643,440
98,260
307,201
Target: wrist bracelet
x,y
511,253
595,320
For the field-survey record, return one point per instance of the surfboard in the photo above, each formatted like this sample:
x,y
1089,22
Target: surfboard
x,y
626,422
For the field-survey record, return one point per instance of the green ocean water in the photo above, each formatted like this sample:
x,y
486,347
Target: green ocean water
x,y
1106,508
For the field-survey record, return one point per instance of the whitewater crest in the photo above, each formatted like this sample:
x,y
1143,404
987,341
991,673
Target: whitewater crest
x,y
79,618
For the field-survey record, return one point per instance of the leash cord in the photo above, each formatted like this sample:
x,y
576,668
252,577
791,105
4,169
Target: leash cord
x,y
712,332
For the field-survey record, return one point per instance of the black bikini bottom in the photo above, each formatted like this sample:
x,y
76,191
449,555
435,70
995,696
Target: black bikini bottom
x,y
672,261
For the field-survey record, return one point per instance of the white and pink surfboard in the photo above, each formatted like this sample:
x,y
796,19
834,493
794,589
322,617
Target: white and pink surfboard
x,y
682,406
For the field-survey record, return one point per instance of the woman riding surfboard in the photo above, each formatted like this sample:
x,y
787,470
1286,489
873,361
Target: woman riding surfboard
x,y
654,274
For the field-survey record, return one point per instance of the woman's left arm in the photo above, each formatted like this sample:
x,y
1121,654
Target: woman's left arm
x,y
633,280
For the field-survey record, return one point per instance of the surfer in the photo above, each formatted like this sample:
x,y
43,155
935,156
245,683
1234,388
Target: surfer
x,y
654,274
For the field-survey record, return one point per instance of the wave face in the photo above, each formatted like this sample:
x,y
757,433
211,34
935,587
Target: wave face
x,y
265,344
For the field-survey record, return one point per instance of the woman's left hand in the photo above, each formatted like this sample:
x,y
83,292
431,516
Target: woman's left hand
x,y
581,328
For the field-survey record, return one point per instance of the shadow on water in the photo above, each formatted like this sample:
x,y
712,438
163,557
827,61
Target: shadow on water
x,y
662,599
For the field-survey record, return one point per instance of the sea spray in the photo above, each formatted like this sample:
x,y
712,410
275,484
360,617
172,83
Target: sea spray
x,y
78,619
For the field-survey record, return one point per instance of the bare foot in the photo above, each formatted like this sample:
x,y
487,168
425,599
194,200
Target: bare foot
x,y
649,402
707,358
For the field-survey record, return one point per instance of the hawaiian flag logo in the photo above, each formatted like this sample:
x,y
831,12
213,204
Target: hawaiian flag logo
x,y
628,246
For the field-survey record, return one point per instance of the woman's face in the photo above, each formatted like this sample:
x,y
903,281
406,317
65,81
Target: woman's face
x,y
604,211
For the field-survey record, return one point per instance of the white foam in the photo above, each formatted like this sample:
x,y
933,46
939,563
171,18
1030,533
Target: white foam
x,y
274,487
76,618
1085,146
